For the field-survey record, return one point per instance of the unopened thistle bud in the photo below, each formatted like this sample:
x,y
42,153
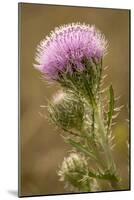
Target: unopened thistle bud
x,y
66,110
74,172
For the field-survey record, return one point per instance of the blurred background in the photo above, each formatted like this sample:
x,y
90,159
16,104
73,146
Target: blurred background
x,y
41,147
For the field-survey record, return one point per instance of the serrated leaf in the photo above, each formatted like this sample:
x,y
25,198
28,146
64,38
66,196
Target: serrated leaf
x,y
108,176
111,105
105,176
80,148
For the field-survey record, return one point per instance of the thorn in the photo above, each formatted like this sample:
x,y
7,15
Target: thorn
x,y
104,90
101,83
113,146
117,98
112,138
116,115
43,106
106,67
118,108
104,76
114,123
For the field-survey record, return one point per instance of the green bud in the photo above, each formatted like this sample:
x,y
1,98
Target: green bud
x,y
66,110
73,172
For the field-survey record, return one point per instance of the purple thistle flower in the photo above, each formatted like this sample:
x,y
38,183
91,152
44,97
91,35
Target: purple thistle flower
x,y
66,47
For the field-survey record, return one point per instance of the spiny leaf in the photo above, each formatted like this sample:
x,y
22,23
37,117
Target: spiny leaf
x,y
105,176
108,176
111,105
80,148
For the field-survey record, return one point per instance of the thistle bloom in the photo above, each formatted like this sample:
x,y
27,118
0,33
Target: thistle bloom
x,y
66,48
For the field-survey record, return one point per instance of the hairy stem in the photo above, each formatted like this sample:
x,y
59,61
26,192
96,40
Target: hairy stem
x,y
109,161
107,151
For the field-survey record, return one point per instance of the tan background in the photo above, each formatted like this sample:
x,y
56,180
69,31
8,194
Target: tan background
x,y
42,148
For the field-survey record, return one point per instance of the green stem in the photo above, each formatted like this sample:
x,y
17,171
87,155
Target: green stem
x,y
104,143
107,151
110,164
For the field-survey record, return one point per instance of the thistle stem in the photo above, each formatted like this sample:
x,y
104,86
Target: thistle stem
x,y
104,143
107,151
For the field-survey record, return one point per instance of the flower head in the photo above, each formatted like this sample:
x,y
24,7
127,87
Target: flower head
x,y
66,48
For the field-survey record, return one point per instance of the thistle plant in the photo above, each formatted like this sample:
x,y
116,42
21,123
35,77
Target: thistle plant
x,y
72,56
